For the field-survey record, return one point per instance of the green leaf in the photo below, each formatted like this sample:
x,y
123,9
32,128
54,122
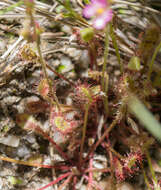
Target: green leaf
x,y
159,162
68,15
134,64
87,34
122,11
60,68
15,181
145,117
68,4
157,81
86,1
59,9
10,8
5,129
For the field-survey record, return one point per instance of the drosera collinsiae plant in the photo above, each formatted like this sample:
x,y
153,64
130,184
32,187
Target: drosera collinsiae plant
x,y
92,98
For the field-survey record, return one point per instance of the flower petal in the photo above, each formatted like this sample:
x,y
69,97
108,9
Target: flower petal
x,y
102,3
89,10
107,15
101,21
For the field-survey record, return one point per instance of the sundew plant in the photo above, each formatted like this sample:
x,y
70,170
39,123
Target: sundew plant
x,y
113,107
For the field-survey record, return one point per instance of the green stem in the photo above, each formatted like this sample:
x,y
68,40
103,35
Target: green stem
x,y
150,166
46,76
146,179
72,12
114,41
116,153
105,56
152,60
84,130
37,40
11,7
105,99
104,81
42,62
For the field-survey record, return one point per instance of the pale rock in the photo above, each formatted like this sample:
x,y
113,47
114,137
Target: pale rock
x,y
125,186
30,138
10,140
1,183
105,184
74,53
23,151
84,59
66,62
11,100
69,101
66,29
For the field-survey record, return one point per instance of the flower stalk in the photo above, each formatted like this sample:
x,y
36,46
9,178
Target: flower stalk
x,y
114,41
105,57
84,129
152,61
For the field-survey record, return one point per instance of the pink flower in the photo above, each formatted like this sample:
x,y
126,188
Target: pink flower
x,y
100,10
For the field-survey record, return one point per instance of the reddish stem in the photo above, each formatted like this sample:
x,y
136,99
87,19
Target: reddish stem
x,y
65,182
94,184
59,75
45,135
92,54
56,181
93,148
90,179
74,182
